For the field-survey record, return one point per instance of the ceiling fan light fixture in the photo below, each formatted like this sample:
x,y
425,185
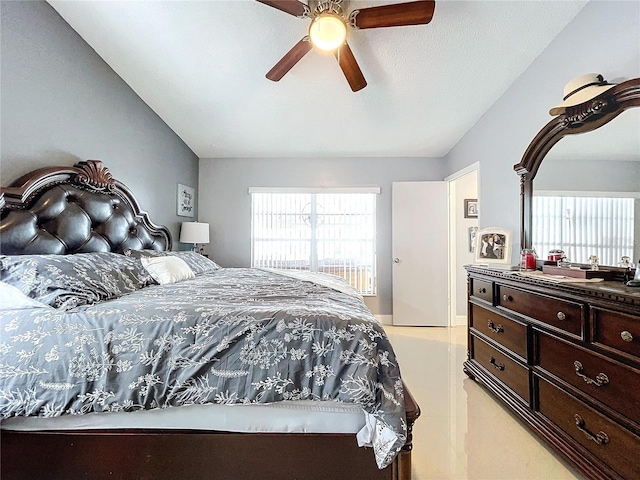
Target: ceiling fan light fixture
x,y
327,31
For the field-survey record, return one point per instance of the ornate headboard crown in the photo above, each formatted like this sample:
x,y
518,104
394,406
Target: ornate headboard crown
x,y
74,209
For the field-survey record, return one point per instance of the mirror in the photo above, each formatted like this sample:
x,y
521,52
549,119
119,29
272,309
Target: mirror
x,y
586,194
590,153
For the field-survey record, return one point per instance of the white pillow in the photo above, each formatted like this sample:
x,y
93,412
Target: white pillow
x,y
167,269
12,298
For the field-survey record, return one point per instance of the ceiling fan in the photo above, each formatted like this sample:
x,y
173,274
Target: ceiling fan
x,y
328,31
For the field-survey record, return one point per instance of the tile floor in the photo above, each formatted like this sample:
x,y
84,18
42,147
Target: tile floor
x,y
464,433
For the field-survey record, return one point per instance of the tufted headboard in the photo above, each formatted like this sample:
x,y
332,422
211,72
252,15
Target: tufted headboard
x,y
72,210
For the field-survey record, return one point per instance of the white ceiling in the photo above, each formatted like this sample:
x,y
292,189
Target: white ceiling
x,y
201,65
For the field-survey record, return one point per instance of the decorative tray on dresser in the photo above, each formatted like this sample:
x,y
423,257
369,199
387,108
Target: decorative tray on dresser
x,y
565,357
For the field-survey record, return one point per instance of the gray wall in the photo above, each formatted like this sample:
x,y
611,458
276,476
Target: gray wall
x,y
604,38
225,202
589,176
61,103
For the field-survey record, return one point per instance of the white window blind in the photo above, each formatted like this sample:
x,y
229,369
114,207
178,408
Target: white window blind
x,y
316,230
584,226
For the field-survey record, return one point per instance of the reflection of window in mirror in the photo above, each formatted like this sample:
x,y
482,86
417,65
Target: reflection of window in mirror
x,y
600,164
584,225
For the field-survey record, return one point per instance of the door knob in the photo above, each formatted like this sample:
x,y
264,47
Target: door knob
x,y
396,260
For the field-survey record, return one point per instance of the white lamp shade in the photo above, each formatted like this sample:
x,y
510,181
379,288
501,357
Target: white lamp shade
x,y
194,232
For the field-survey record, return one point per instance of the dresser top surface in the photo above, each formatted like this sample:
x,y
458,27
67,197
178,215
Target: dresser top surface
x,y
610,290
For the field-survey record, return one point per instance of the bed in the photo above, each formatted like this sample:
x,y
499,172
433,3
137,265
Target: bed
x,y
112,375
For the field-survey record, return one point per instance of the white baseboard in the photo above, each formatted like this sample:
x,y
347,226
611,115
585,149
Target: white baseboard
x,y
460,320
388,319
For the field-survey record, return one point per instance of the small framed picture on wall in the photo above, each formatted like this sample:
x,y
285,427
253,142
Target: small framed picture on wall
x,y
186,201
470,208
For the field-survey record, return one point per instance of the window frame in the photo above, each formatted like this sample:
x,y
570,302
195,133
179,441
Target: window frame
x,y
312,240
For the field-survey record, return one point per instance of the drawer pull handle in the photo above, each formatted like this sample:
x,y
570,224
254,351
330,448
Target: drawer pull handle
x,y
600,438
482,290
493,328
626,336
601,378
507,298
561,316
497,366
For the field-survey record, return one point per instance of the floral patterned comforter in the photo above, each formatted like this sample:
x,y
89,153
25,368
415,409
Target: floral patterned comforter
x,y
232,336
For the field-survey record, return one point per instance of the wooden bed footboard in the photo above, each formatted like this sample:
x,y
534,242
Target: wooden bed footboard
x,y
192,455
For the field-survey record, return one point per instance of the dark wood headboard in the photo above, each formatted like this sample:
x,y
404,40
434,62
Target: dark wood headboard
x,y
73,210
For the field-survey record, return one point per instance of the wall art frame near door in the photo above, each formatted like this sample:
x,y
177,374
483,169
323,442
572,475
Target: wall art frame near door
x,y
186,201
470,208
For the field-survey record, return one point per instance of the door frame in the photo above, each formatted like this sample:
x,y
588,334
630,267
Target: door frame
x,y
453,234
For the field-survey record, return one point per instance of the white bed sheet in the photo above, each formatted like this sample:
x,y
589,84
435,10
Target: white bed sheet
x,y
304,416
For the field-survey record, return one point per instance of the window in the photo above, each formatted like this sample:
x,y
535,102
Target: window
x,y
584,226
324,230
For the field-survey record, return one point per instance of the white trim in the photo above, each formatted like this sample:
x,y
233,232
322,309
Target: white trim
x,y
451,234
388,319
450,179
584,193
474,167
373,189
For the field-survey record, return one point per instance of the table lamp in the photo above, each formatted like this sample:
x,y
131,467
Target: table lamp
x,y
194,232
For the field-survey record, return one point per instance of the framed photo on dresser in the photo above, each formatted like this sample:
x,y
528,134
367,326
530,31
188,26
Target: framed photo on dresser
x,y
493,245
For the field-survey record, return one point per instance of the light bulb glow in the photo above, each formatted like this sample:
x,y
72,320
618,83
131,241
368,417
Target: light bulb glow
x,y
327,31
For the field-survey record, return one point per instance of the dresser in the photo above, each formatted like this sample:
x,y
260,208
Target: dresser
x,y
565,358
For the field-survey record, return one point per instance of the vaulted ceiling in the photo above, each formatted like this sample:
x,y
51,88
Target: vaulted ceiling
x,y
201,65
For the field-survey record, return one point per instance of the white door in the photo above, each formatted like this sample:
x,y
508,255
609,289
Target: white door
x,y
420,253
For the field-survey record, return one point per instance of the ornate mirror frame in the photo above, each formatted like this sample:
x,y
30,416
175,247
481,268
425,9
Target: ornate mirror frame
x,y
581,118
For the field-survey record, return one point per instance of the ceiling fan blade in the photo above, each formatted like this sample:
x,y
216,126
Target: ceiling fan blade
x,y
287,62
411,13
350,67
292,7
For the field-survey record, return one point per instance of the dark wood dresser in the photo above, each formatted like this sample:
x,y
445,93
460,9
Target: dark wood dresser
x,y
566,359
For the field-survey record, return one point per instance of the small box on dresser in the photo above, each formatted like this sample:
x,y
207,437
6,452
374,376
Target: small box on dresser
x,y
566,359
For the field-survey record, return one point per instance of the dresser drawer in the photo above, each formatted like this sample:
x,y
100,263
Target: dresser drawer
x,y
509,372
610,382
616,331
561,314
481,289
511,334
614,445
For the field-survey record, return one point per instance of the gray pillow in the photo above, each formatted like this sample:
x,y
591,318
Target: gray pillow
x,y
129,252
68,281
199,264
